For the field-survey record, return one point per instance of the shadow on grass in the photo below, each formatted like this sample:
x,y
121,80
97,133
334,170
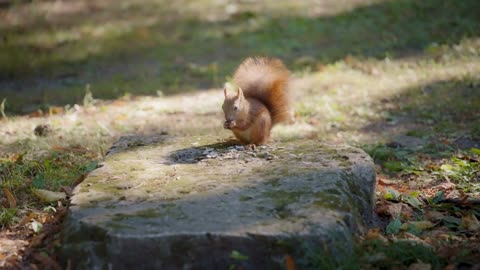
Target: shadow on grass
x,y
438,109
175,53
431,122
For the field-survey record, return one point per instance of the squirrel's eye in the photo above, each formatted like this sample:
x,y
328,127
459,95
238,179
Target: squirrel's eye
x,y
235,108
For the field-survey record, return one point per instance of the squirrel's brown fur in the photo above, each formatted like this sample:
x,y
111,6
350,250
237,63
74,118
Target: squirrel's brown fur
x,y
261,99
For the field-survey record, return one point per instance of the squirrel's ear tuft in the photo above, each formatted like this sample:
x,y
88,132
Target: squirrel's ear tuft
x,y
225,92
239,92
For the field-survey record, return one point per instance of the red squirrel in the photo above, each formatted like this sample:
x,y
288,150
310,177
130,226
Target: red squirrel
x,y
259,101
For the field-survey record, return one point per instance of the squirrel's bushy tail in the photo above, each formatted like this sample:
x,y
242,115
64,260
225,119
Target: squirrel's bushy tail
x,y
266,79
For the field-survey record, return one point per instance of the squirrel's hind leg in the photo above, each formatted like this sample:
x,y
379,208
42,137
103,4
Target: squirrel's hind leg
x,y
261,130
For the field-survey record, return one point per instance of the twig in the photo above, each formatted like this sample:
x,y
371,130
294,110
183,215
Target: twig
x,y
2,109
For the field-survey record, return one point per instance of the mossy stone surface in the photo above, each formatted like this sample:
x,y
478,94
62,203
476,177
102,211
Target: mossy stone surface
x,y
190,203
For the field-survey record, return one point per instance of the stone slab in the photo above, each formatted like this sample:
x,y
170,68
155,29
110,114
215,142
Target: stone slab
x,y
192,203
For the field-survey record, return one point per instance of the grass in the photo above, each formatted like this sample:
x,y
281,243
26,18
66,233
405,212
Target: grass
x,y
380,255
149,49
54,170
463,172
7,216
399,79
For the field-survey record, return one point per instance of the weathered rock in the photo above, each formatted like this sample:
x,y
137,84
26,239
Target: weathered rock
x,y
190,203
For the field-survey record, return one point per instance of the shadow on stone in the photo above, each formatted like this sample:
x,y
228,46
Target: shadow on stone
x,y
198,153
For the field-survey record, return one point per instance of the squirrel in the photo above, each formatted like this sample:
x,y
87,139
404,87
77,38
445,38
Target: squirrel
x,y
259,101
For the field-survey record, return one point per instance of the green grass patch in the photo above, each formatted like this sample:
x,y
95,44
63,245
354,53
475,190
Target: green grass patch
x,y
465,172
378,255
50,171
7,216
394,160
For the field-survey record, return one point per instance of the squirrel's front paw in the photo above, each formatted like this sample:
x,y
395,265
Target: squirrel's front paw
x,y
251,147
229,124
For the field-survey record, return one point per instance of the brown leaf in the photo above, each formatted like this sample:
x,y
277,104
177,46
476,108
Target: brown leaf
x,y
37,113
289,262
27,219
382,209
387,182
407,211
395,209
419,225
9,251
38,239
42,218
11,200
445,186
68,190
434,215
374,234
17,158
47,262
411,237
470,222
447,252
439,232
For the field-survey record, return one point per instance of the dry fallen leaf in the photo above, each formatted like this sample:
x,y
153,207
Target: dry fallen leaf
x,y
394,209
37,113
11,200
434,216
374,234
49,196
387,182
470,222
68,190
46,261
445,186
289,263
27,219
419,225
9,251
412,238
38,239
